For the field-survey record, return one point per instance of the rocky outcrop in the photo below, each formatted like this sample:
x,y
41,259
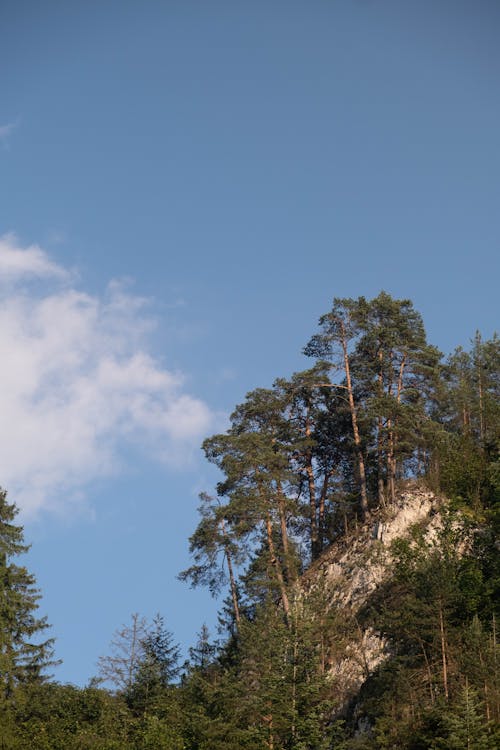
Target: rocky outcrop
x,y
350,571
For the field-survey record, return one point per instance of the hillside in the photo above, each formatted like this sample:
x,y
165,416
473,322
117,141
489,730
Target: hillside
x,y
358,607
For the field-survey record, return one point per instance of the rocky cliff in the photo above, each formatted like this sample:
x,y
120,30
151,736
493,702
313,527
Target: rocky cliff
x,y
350,571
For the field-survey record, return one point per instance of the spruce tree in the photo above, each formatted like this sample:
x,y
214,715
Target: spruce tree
x,y
157,669
24,655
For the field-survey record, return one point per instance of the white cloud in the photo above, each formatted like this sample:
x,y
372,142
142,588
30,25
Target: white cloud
x,y
6,131
17,263
77,384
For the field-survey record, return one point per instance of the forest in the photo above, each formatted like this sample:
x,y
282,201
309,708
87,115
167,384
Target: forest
x,y
307,468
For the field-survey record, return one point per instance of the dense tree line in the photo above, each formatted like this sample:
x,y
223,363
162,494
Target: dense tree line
x,y
304,465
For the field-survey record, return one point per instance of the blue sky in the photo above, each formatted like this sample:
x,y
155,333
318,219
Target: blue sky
x,y
184,187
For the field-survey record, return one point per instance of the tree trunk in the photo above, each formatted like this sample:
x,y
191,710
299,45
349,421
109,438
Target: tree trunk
x,y
322,504
355,429
480,385
443,651
428,668
391,469
312,497
232,581
380,432
391,458
290,574
294,678
277,568
380,463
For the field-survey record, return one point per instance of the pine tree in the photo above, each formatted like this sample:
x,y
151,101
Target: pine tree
x,y
254,456
339,330
395,372
23,654
388,375
316,426
214,550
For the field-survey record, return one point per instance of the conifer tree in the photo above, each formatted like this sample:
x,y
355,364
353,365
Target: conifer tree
x,y
465,724
216,553
388,374
159,665
339,329
468,454
314,412
254,456
395,371
24,654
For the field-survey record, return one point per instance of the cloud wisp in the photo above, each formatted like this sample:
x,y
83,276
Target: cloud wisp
x,y
24,264
6,131
78,385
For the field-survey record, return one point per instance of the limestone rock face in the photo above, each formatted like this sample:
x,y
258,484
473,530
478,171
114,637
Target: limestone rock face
x,y
350,571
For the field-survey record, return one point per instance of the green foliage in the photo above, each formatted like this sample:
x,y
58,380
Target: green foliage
x,y
62,717
470,410
24,654
430,613
272,692
457,726
157,669
377,409
301,462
